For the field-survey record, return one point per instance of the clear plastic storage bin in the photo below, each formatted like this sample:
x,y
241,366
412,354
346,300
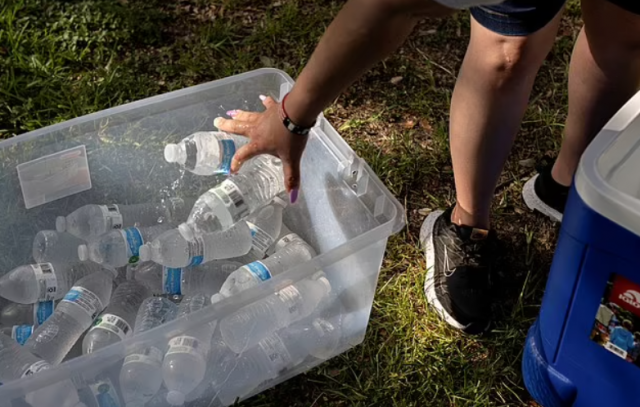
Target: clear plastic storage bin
x,y
116,156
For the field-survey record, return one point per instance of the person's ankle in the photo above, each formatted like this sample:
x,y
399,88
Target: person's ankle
x,y
561,176
461,217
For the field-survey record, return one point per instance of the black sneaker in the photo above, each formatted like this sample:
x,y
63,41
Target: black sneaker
x,y
458,285
543,194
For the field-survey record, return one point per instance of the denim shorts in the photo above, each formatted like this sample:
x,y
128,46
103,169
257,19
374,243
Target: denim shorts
x,y
524,17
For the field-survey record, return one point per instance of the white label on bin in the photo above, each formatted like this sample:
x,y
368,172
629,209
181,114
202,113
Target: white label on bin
x,y
85,299
231,196
47,281
54,176
185,344
275,350
113,323
150,356
286,241
36,367
292,298
105,394
260,240
112,216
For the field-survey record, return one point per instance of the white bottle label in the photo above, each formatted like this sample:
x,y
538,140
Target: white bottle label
x,y
105,394
286,241
46,277
185,344
42,311
260,240
113,323
150,356
172,281
259,270
21,333
134,242
292,298
230,195
275,350
85,299
112,216
36,367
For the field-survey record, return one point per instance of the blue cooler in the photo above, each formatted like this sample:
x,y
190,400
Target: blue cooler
x,y
584,349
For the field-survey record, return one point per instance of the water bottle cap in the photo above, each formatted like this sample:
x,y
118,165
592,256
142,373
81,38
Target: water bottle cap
x,y
280,202
61,223
171,152
187,232
216,298
83,252
325,282
145,252
175,398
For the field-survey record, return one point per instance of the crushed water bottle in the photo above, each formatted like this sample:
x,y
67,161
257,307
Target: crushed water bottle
x,y
141,374
171,249
45,281
254,273
247,326
74,315
91,221
207,278
116,322
205,152
265,225
185,362
120,247
55,247
18,362
259,181
29,314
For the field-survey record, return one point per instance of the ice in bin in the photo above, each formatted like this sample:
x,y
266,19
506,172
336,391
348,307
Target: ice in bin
x,y
344,213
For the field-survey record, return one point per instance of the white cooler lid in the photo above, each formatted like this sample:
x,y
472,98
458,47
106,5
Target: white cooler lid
x,y
608,177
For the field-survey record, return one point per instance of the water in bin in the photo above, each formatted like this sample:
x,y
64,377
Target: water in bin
x,y
55,247
205,152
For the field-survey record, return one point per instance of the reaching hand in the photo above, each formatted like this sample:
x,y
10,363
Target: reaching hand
x,y
267,135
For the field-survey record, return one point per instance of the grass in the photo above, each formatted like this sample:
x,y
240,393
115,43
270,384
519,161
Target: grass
x,y
63,59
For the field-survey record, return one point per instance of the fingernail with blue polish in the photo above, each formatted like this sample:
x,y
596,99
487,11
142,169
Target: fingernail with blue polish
x,y
293,196
232,113
262,97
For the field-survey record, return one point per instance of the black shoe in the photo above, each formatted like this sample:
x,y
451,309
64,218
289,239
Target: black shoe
x,y
458,284
543,194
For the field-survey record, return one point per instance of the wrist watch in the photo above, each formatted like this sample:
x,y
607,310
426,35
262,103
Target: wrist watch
x,y
289,124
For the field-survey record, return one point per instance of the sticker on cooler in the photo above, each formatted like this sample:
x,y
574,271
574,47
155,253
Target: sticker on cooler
x,y
36,367
85,299
111,214
21,333
185,344
47,280
196,252
42,311
260,239
134,241
617,320
259,270
275,350
113,323
286,241
172,281
292,298
105,394
231,196
150,356
227,151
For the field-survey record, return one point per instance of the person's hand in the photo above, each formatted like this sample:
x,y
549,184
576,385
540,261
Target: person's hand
x,y
268,136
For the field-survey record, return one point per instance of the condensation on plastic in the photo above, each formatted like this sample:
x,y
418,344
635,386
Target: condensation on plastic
x,y
344,211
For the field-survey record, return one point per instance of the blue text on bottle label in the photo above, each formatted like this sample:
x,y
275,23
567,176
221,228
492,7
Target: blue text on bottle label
x,y
227,151
21,333
134,242
259,270
42,311
172,280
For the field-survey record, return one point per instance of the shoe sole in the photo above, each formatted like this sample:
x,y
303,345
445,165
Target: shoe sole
x,y
426,238
532,201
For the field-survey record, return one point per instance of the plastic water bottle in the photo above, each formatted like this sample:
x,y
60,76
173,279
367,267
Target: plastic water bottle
x,y
29,314
99,393
185,362
91,221
171,249
259,181
55,247
45,281
117,320
205,152
207,278
247,326
18,362
120,247
141,374
19,333
147,273
265,225
74,315
254,273
237,375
